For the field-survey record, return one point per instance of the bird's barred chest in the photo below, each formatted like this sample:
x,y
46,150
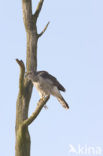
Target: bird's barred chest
x,y
43,87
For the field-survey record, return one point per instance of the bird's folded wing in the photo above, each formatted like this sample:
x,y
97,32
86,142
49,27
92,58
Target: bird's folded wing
x,y
55,82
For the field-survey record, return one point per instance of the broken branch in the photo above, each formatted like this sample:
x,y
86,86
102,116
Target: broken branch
x,y
21,78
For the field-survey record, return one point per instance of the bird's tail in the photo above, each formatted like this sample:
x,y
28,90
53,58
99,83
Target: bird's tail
x,y
63,102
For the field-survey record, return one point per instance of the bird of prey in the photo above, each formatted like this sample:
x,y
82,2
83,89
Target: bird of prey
x,y
47,85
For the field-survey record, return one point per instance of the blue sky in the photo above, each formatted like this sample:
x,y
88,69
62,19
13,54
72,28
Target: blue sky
x,y
72,50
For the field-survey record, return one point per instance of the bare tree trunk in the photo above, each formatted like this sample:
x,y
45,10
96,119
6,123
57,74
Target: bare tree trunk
x,y
22,147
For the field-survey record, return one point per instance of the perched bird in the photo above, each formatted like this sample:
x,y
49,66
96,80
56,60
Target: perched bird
x,y
47,85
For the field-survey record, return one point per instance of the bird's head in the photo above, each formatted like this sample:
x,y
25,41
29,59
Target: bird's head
x,y
31,76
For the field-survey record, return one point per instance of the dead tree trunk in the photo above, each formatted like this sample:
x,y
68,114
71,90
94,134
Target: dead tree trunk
x,y
22,147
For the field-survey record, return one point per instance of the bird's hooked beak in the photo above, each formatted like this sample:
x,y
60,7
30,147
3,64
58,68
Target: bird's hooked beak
x,y
30,75
27,74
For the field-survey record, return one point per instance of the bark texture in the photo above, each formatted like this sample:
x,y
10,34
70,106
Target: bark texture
x,y
22,146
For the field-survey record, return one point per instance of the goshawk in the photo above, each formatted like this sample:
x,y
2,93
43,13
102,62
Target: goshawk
x,y
47,85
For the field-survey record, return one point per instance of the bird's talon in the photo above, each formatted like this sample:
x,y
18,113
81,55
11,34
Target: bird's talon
x,y
43,98
45,106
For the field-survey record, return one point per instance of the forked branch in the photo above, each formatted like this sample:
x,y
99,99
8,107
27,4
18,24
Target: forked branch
x,y
21,78
38,9
39,35
40,105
